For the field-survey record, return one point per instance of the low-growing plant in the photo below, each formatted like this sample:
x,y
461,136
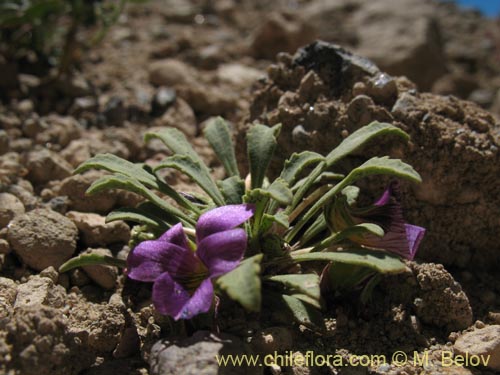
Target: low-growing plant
x,y
194,248
49,28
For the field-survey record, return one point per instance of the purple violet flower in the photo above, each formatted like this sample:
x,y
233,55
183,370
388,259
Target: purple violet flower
x,y
399,238
182,277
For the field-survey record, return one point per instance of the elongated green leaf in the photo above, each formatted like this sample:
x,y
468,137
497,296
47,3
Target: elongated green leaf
x,y
279,218
296,164
323,178
360,137
91,260
196,171
352,143
243,283
313,230
280,192
345,276
115,164
378,260
145,215
374,166
359,230
130,184
261,143
233,189
307,284
218,135
385,166
176,141
304,313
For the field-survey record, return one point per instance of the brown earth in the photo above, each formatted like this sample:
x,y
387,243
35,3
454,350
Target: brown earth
x,y
179,62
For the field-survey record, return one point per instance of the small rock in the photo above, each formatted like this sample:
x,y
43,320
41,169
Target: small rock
x,y
482,342
103,275
4,247
272,339
42,238
96,232
8,290
280,33
10,206
171,72
162,100
441,301
25,106
238,74
40,291
196,355
180,116
44,166
50,273
115,111
79,278
74,188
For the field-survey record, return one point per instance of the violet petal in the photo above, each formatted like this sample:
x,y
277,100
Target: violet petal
x,y
414,235
200,301
222,218
150,259
222,252
176,236
169,297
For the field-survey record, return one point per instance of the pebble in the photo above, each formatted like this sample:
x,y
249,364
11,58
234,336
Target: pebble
x,y
103,275
96,232
42,238
10,206
485,341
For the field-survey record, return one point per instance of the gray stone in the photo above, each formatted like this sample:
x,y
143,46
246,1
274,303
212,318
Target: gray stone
x,y
44,166
40,291
10,206
481,342
42,238
103,275
96,232
197,355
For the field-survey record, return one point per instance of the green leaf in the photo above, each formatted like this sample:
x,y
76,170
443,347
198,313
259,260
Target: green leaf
x,y
307,284
114,164
243,283
345,276
374,166
218,135
233,189
261,143
362,136
176,141
280,191
145,214
304,313
359,230
352,143
196,171
378,260
91,260
385,166
280,218
296,164
313,230
351,194
367,292
133,185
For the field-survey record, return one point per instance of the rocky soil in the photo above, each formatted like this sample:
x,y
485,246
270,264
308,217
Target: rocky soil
x,y
427,67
